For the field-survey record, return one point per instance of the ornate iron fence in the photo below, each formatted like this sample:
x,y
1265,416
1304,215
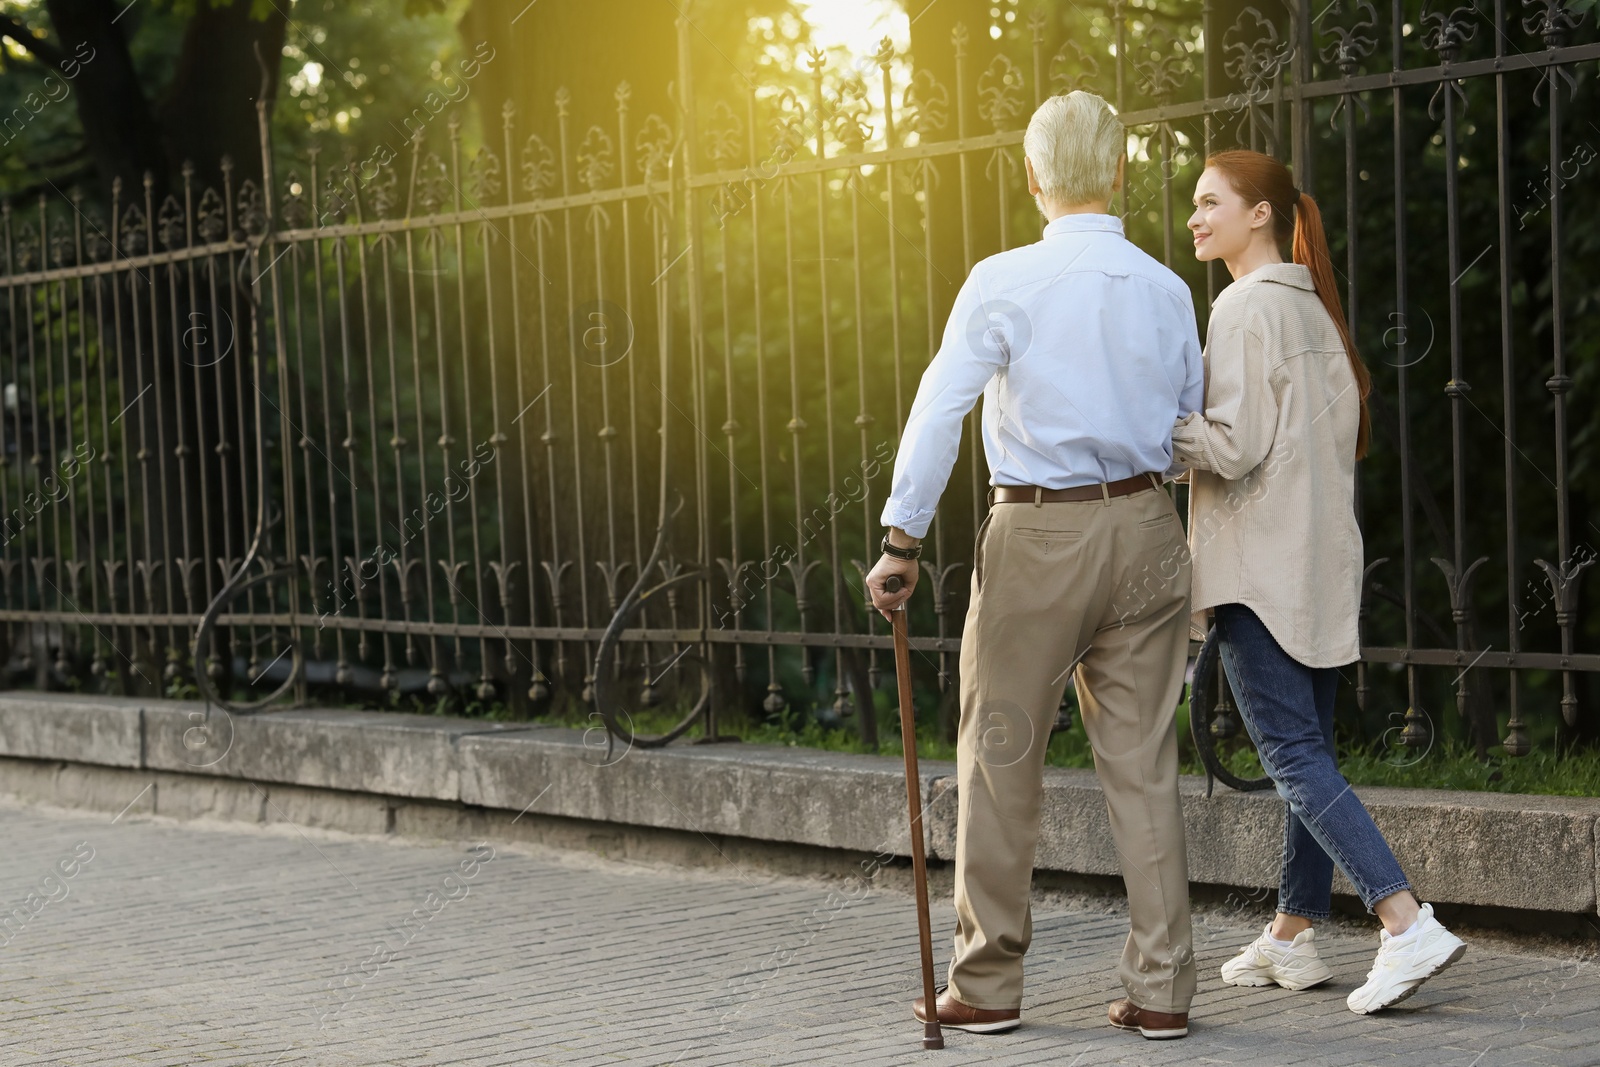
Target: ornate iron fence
x,y
618,407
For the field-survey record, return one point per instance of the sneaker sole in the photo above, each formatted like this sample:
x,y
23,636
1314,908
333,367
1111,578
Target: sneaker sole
x,y
1297,986
1256,980
1460,950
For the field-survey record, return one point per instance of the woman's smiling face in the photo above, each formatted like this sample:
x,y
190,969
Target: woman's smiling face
x,y
1223,224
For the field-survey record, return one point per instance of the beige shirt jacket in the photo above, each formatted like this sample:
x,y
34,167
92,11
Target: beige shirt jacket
x,y
1272,455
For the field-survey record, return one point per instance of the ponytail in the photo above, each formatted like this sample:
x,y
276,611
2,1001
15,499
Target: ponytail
x,y
1311,250
1296,220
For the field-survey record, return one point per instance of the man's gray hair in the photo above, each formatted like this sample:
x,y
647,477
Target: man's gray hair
x,y
1074,142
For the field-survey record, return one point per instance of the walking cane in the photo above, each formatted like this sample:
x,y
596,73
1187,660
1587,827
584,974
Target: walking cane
x,y
931,1035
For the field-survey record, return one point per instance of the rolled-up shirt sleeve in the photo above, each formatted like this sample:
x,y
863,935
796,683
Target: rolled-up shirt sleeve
x,y
1234,432
975,345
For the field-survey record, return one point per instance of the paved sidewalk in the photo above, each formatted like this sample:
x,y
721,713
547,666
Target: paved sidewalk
x,y
154,942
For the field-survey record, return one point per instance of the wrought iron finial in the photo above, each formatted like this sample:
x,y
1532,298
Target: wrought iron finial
x,y
538,166
850,112
293,203
1349,46
653,147
926,103
1552,20
1161,63
1447,31
132,231
433,183
724,135
63,249
483,174
595,163
26,251
1000,89
1257,50
252,218
1062,80
211,212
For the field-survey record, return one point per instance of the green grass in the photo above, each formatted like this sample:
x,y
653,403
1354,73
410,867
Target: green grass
x,y
1573,775
1445,766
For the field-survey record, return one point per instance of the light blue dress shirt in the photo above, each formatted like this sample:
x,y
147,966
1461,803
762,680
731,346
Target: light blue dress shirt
x,y
1085,350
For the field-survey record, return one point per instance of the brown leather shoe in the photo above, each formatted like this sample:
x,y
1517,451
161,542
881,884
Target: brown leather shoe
x,y
959,1016
1155,1025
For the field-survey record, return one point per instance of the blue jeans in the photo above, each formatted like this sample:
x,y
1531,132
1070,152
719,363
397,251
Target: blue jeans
x,y
1287,709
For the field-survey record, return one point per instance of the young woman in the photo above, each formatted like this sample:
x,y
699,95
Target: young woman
x,y
1278,558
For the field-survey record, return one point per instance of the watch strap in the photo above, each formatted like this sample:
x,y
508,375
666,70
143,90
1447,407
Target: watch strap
x,y
897,552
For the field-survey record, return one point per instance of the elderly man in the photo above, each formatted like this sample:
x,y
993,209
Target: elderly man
x,y
1085,350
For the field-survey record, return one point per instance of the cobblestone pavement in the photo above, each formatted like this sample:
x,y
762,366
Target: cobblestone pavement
x,y
155,942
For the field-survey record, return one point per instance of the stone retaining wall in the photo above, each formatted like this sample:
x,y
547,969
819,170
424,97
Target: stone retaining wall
x,y
392,773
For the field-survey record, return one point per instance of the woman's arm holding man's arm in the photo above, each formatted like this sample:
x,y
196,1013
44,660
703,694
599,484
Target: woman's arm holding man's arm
x,y
1234,432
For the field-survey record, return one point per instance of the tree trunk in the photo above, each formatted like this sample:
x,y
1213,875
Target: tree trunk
x,y
209,110
122,135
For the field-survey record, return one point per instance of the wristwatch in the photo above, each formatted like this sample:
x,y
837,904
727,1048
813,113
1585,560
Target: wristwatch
x,y
897,552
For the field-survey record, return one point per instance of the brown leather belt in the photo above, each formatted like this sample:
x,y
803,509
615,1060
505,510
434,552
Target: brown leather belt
x,y
1033,494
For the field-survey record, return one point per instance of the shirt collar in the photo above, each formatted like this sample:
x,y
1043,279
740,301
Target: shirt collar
x,y
1083,223
1295,274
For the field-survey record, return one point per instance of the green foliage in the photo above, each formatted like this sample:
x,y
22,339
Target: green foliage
x,y
259,9
349,75
352,72
41,140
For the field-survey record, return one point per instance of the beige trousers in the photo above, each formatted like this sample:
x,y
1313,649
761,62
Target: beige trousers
x,y
1107,581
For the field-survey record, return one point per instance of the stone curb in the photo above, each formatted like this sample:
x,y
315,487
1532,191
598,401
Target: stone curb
x,y
1498,850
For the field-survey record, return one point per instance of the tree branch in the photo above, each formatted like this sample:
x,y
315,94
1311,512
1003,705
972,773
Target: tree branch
x,y
42,50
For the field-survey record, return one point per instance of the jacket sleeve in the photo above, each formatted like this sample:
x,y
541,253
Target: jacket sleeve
x,y
1234,432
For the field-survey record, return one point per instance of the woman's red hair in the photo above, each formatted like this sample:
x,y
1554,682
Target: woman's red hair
x,y
1296,221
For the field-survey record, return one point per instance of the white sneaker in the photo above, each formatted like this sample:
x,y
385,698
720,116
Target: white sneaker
x,y
1405,962
1295,966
